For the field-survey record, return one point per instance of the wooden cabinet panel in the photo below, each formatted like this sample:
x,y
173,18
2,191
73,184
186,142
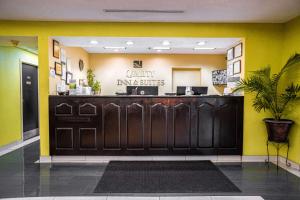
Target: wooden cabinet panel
x,y
87,109
226,127
111,124
87,138
63,109
135,126
205,122
64,138
182,122
158,126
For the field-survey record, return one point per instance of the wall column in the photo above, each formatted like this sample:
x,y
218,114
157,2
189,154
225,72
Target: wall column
x,y
43,94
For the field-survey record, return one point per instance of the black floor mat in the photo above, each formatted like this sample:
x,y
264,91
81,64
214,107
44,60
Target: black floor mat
x,y
163,177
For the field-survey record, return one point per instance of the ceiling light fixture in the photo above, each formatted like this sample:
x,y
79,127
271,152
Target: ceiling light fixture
x,y
113,47
201,43
94,42
166,43
129,43
143,11
161,48
204,48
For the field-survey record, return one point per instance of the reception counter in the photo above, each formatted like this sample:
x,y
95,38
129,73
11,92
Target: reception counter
x,y
146,125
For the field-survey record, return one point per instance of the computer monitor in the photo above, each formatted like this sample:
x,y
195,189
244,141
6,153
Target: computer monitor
x,y
180,90
199,90
148,90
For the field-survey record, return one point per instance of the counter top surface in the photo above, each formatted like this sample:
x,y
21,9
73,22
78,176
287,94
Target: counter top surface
x,y
146,96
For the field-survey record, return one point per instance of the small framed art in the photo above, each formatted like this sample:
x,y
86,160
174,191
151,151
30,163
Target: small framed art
x,y
58,68
63,57
230,70
237,67
64,71
56,49
230,54
69,77
238,50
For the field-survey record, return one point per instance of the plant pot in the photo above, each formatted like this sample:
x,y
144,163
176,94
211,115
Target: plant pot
x,y
278,130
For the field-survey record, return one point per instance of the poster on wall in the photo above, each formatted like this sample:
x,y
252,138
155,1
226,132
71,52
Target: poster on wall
x,y
64,71
238,50
230,70
219,77
58,69
68,65
230,55
237,67
63,57
69,77
56,49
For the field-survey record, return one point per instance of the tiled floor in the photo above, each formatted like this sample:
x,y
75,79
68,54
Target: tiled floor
x,y
143,198
21,177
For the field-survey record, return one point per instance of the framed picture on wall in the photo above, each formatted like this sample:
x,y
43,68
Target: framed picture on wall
x,y
230,70
64,71
56,49
230,54
237,67
58,69
238,50
63,57
82,82
69,65
69,77
219,77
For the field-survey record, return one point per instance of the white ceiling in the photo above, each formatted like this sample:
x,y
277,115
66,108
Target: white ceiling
x,y
275,11
27,43
144,45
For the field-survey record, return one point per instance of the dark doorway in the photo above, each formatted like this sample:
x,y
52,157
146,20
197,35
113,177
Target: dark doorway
x,y
30,101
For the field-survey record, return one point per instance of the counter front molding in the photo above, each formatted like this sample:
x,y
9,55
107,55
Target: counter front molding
x,y
140,125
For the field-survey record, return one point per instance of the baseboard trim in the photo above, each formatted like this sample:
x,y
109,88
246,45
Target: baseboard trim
x,y
101,159
293,168
16,145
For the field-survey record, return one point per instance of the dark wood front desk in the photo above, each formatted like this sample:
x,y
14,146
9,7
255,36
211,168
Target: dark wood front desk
x,y
146,125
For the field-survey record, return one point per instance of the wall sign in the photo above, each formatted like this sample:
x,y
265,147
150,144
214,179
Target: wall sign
x,y
137,64
140,78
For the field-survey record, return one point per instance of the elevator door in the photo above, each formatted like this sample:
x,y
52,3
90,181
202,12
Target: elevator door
x,y
30,101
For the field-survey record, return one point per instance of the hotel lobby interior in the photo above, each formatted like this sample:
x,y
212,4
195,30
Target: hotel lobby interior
x,y
150,100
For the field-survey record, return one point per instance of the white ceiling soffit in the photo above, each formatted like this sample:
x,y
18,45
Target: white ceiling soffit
x,y
145,45
248,11
23,42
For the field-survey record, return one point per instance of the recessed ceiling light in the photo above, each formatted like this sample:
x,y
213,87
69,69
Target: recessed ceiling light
x,y
204,48
166,43
94,42
201,43
161,48
113,47
129,43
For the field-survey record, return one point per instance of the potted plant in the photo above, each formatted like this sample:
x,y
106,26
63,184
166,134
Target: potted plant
x,y
95,86
269,96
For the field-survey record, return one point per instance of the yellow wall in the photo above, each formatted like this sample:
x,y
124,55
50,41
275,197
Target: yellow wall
x,y
291,46
10,103
111,67
263,46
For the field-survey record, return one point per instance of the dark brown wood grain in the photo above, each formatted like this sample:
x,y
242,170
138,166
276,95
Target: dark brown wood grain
x,y
156,125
